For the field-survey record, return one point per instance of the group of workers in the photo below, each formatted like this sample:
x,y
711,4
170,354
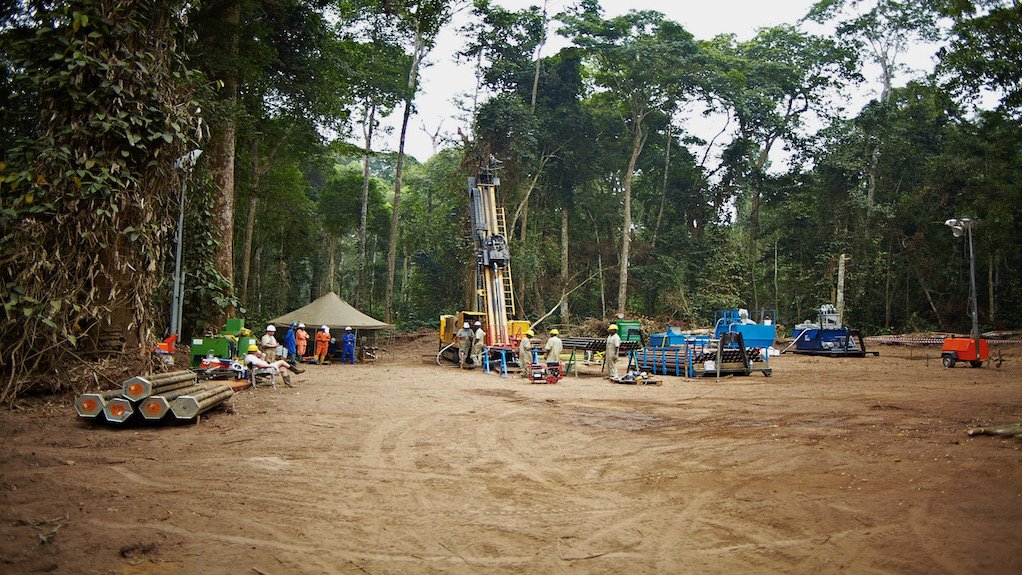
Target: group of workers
x,y
471,343
296,343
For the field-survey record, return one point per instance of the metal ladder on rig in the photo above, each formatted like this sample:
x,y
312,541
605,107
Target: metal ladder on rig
x,y
509,287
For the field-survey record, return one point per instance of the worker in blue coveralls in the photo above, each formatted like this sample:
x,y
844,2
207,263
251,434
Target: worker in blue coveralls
x,y
289,344
348,354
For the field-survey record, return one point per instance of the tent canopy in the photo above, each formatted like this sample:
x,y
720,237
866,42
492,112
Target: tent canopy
x,y
332,311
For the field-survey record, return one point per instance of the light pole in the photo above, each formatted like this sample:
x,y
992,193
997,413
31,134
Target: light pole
x,y
959,227
185,163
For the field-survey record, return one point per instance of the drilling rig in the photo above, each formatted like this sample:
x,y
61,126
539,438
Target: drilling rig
x,y
493,302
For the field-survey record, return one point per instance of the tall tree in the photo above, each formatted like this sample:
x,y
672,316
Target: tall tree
x,y
647,64
422,20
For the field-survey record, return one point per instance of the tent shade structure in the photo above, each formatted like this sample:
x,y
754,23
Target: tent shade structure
x,y
330,310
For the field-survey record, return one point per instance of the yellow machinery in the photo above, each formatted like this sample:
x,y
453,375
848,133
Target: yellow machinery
x,y
493,303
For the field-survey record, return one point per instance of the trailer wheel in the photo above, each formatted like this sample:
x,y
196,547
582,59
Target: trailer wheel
x,y
976,363
948,360
768,372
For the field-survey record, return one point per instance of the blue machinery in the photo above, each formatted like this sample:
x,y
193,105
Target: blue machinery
x,y
737,347
829,338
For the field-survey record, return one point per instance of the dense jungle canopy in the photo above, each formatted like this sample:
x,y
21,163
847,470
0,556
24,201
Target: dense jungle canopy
x,y
610,196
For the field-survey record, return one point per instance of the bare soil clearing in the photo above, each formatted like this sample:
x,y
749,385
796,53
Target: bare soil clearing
x,y
857,465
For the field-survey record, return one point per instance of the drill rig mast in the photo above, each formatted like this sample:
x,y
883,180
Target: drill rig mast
x,y
493,289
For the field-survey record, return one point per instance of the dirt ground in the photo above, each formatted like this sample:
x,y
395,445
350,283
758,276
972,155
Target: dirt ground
x,y
831,465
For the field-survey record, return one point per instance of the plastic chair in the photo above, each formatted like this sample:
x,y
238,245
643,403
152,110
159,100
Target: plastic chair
x,y
254,373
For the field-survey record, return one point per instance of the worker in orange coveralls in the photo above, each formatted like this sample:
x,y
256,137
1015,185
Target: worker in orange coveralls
x,y
301,341
322,344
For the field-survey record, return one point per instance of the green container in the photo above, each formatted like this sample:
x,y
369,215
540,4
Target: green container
x,y
218,345
629,329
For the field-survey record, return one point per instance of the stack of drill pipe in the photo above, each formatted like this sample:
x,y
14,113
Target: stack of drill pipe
x,y
90,405
192,405
663,360
156,406
141,387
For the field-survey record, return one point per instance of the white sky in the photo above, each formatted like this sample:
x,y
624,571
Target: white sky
x,y
444,80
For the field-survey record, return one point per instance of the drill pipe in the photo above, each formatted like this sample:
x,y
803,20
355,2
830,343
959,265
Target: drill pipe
x,y
158,405
155,377
139,388
189,406
90,405
118,410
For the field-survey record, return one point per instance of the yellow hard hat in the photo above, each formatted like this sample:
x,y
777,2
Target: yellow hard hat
x,y
530,333
554,331
613,326
253,347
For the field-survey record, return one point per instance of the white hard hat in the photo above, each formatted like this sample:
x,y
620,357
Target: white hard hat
x,y
325,328
271,327
348,328
465,325
301,325
477,323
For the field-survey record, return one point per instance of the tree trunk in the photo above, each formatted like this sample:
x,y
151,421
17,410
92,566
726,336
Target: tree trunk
x,y
564,263
370,118
539,48
246,254
990,286
413,73
663,194
638,139
222,167
330,281
840,290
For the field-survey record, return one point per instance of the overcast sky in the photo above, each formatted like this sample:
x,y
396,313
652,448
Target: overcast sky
x,y
444,80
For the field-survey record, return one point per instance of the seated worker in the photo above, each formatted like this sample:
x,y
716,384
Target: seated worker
x,y
255,358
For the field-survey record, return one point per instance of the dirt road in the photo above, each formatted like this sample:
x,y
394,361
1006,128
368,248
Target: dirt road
x,y
831,465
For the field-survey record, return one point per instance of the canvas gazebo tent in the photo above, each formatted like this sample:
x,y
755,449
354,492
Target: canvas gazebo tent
x,y
330,310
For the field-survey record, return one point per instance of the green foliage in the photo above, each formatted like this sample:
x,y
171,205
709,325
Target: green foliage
x,y
88,194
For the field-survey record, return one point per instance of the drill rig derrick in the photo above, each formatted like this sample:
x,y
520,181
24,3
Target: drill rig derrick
x,y
493,288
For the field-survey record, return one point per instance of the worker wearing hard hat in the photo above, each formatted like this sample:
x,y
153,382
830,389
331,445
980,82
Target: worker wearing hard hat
x,y
348,350
553,347
610,354
268,344
525,352
464,337
323,345
478,342
256,359
301,341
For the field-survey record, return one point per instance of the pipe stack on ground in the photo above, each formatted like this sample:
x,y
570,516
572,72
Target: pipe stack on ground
x,y
156,406
153,397
195,404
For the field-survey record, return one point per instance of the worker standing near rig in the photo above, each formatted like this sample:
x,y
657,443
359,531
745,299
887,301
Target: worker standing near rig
x,y
464,337
610,354
553,347
478,342
525,352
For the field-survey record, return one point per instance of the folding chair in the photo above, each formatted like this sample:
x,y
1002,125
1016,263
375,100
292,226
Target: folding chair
x,y
254,373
